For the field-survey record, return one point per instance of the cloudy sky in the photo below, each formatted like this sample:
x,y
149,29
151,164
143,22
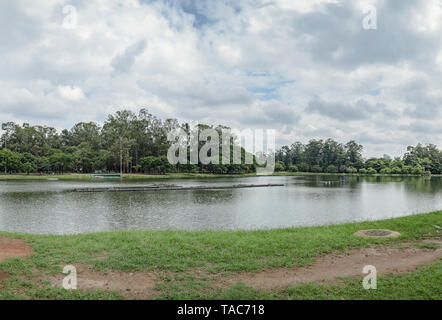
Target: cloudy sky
x,y
308,69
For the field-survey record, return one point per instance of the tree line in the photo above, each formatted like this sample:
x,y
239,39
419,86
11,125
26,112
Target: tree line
x,y
137,143
330,156
126,143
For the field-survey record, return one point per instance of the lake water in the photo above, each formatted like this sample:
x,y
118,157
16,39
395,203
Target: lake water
x,y
43,207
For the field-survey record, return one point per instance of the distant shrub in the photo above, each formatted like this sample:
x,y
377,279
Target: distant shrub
x,y
279,166
363,171
303,167
407,170
385,171
417,170
156,165
396,170
316,169
371,171
293,169
331,169
351,170
189,168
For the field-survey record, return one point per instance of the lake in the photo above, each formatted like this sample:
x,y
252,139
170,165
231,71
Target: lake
x,y
51,207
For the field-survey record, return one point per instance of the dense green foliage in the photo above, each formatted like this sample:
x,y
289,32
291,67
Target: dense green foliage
x,y
126,143
333,157
131,143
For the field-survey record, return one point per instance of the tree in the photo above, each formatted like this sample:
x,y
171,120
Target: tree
x,y
331,169
28,167
85,132
333,154
10,161
296,153
62,162
398,163
417,170
127,137
156,165
82,158
354,154
279,166
117,137
385,171
313,152
407,170
351,170
316,168
428,157
304,167
377,164
8,128
396,170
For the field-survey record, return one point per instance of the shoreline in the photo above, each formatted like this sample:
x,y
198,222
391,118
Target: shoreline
x,y
188,264
128,177
360,224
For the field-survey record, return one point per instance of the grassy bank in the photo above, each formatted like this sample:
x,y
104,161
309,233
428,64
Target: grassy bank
x,y
422,284
135,177
186,260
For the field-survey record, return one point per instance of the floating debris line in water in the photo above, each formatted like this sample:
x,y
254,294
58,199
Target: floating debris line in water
x,y
170,187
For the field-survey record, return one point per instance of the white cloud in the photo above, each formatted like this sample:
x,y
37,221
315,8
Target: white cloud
x,y
70,93
242,63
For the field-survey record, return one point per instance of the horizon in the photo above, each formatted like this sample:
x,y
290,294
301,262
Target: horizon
x,y
278,147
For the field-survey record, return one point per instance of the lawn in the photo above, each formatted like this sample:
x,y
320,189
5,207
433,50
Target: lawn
x,y
176,256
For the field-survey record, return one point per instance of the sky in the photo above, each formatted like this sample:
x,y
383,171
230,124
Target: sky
x,y
307,69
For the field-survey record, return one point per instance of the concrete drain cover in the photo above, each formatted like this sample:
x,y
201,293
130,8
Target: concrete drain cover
x,y
377,233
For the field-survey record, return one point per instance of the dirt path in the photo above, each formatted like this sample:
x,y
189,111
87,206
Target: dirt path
x,y
397,258
392,258
133,285
3,276
330,267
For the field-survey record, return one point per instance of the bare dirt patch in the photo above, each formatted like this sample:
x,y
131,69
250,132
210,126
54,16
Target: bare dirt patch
x,y
133,285
101,256
331,267
14,248
3,276
377,233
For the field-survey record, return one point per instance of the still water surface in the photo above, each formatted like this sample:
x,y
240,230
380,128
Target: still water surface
x,y
51,206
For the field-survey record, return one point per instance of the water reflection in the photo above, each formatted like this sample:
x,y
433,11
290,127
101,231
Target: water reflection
x,y
51,206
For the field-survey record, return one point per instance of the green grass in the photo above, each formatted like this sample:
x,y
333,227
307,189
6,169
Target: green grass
x,y
178,253
427,245
219,250
423,284
15,288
